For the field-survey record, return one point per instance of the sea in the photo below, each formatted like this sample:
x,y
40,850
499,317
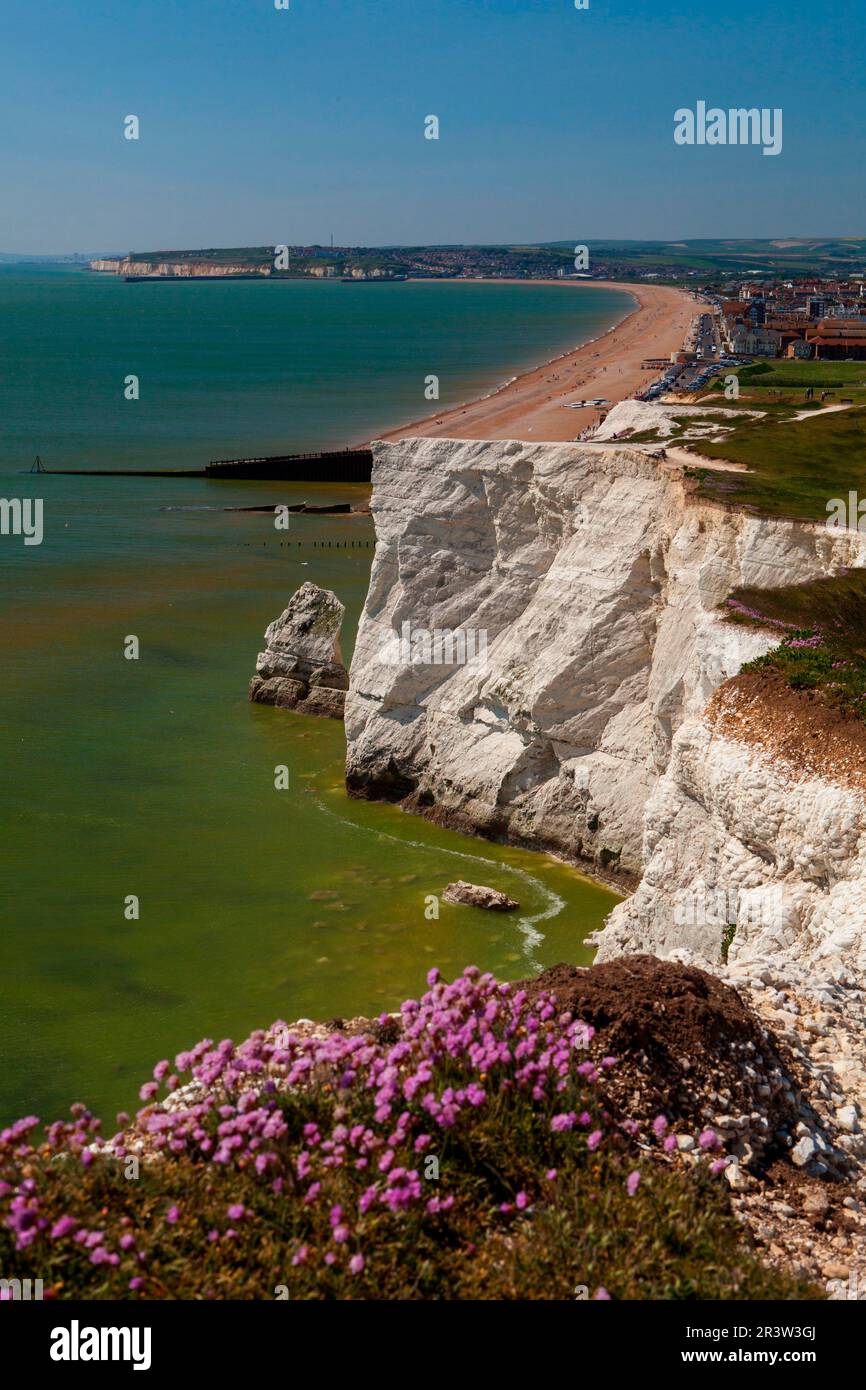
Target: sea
x,y
156,886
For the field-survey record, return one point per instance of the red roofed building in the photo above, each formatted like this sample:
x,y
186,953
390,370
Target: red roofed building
x,y
836,340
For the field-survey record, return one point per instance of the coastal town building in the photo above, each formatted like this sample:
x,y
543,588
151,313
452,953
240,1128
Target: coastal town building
x,y
840,341
797,318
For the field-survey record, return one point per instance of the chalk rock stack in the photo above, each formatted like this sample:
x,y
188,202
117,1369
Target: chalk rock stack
x,y
302,666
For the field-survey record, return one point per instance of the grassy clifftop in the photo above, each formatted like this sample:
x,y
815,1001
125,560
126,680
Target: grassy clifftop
x,y
795,466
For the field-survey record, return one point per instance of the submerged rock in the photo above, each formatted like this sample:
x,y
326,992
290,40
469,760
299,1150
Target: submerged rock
x,y
302,666
477,895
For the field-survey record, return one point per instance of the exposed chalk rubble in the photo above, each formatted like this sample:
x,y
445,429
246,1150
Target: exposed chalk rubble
x,y
815,1226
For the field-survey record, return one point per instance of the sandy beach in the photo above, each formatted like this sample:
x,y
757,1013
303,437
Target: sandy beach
x,y
534,404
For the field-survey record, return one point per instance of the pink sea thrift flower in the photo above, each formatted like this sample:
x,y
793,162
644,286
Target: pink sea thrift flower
x,y
63,1227
632,1182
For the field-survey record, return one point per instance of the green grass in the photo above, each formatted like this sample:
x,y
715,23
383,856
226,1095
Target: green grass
x,y
645,437
795,468
836,605
777,404
842,681
833,608
790,372
781,386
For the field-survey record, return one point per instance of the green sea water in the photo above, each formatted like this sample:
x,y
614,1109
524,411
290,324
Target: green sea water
x,y
155,777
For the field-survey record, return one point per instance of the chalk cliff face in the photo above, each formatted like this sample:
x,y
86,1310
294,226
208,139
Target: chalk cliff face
x,y
176,270
734,835
186,270
594,576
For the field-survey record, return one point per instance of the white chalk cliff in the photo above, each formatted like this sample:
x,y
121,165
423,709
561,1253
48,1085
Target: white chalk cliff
x,y
596,574
176,270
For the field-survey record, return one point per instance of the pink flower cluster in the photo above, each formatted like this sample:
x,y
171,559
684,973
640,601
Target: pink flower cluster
x,y
743,611
461,1049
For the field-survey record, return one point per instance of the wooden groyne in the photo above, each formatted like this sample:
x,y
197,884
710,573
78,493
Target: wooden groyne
x,y
330,466
122,472
333,466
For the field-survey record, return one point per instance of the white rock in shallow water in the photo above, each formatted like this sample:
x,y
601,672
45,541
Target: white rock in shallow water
x,y
477,895
302,667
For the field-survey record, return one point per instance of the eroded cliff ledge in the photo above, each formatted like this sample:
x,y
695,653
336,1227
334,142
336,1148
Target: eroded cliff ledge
x,y
595,576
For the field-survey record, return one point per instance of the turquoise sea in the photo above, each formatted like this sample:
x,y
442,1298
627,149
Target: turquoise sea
x,y
156,777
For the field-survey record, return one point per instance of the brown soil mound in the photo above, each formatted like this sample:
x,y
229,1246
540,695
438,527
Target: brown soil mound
x,y
687,1046
814,736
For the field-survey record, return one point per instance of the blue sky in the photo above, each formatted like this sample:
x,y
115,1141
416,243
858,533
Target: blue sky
x,y
261,125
